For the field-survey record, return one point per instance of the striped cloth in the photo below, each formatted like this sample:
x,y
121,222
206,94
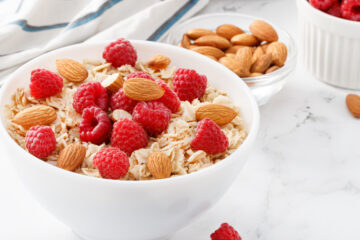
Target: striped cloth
x,y
31,28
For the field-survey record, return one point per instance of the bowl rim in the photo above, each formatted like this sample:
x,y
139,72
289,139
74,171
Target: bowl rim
x,y
252,131
263,79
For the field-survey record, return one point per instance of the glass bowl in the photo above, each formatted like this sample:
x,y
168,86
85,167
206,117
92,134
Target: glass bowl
x,y
263,87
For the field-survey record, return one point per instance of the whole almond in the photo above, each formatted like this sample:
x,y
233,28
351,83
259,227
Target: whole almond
x,y
198,32
272,69
71,157
257,53
35,115
212,57
279,53
185,41
211,51
263,31
245,40
218,113
192,46
142,89
353,104
231,64
233,55
228,31
264,46
159,62
243,57
234,48
262,63
213,41
159,165
255,74
71,70
113,82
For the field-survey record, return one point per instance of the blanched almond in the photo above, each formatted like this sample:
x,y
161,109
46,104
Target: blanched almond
x,y
113,82
198,32
279,53
159,62
35,115
245,40
218,113
263,31
262,63
228,31
213,41
142,89
71,70
211,51
159,165
71,157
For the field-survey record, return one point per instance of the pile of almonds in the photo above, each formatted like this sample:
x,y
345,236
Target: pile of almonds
x,y
246,54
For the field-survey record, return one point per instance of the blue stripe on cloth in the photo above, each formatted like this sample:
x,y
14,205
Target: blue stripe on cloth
x,y
171,21
29,28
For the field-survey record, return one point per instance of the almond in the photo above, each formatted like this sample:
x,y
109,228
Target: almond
x,y
353,104
213,41
71,157
243,57
263,31
257,53
35,115
213,58
218,113
279,53
119,113
159,165
192,46
159,62
245,40
71,70
113,82
211,51
264,46
198,32
262,63
231,64
272,69
185,41
234,48
228,31
233,55
255,74
142,89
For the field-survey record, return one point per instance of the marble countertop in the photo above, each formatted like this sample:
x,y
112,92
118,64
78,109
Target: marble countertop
x,y
301,182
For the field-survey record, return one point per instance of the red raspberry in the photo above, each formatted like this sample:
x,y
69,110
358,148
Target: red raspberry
x,y
188,84
128,136
139,75
120,101
153,116
209,138
40,141
225,232
169,99
120,52
350,9
335,10
322,5
44,83
111,162
90,94
95,126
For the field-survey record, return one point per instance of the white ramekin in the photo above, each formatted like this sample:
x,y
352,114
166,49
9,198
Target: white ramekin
x,y
330,46
102,209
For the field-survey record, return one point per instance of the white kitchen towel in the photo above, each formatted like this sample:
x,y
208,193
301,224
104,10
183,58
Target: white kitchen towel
x,y
33,27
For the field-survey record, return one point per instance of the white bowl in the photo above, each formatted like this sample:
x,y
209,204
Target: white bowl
x,y
101,209
330,46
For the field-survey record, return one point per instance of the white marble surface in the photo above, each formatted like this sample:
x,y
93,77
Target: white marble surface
x,y
302,181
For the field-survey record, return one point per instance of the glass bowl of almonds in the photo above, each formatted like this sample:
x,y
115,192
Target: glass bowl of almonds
x,y
259,52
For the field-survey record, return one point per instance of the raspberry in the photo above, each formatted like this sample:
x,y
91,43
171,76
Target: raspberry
x,y
40,141
335,10
128,136
350,9
139,75
120,101
322,5
169,99
44,83
90,94
188,84
225,232
111,162
153,116
120,52
95,125
209,138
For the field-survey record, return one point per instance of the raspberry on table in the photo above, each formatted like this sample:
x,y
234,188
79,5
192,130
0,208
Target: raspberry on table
x,y
188,84
95,126
225,232
350,9
111,162
169,99
209,137
90,94
322,5
139,75
44,83
128,136
40,141
120,101
120,52
153,116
